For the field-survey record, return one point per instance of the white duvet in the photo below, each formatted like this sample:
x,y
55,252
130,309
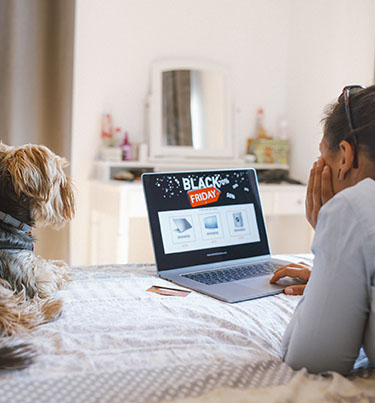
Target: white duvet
x,y
116,342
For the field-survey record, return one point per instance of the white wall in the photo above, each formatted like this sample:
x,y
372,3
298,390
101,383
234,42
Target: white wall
x,y
289,56
116,42
331,44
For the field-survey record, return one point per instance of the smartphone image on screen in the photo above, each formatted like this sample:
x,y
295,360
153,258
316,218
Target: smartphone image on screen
x,y
238,220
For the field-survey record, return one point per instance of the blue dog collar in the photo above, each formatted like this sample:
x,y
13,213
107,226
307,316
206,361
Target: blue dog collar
x,y
9,246
8,219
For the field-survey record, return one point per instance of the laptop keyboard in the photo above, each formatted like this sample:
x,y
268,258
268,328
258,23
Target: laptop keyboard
x,y
226,275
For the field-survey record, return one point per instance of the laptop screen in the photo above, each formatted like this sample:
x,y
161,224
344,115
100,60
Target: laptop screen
x,y
202,217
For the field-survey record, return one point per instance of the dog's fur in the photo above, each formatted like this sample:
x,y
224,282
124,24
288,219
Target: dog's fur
x,y
34,190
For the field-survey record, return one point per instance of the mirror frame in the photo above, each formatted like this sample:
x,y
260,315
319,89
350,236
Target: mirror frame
x,y
157,149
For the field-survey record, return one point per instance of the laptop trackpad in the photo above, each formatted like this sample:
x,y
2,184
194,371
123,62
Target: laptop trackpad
x,y
234,290
249,288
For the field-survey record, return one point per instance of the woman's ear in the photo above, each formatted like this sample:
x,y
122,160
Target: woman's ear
x,y
346,159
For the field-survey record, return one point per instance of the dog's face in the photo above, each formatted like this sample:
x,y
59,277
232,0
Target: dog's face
x,y
37,174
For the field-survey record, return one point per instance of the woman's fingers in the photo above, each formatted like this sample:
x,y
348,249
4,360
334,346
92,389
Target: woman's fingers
x,y
305,264
295,289
301,273
317,184
317,190
309,203
299,265
313,195
327,188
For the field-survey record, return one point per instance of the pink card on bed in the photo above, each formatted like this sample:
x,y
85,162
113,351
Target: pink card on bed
x,y
169,291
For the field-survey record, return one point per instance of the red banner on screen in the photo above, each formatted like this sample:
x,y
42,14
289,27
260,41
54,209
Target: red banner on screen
x,y
203,196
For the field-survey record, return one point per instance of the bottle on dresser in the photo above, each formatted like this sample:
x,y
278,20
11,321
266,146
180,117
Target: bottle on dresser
x,y
126,148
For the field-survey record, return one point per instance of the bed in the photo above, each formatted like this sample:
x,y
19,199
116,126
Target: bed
x,y
117,342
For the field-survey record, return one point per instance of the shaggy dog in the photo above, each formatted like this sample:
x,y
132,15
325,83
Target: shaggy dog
x,y
34,190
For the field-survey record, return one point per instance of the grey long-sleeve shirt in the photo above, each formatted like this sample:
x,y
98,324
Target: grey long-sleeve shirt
x,y
336,315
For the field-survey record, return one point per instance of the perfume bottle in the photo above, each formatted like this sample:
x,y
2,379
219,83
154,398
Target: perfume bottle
x,y
126,148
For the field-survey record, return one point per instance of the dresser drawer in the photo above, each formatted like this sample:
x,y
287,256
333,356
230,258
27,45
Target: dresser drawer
x,y
135,203
289,202
268,202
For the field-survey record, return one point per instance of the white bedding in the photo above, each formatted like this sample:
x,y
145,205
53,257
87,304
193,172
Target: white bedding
x,y
116,342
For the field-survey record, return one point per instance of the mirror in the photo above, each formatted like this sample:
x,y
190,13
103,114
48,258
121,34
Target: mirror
x,y
190,111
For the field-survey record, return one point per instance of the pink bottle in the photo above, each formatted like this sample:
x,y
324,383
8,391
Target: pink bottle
x,y
126,148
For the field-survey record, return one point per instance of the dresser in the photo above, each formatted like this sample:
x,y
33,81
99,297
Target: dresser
x,y
120,233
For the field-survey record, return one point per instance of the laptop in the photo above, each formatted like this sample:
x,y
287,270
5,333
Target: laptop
x,y
209,233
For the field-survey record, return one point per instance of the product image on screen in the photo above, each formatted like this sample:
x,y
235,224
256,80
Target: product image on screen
x,y
210,222
209,215
182,224
238,220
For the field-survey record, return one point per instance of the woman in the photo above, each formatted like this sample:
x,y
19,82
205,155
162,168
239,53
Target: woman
x,y
336,315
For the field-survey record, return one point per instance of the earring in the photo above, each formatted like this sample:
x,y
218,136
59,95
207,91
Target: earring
x,y
338,174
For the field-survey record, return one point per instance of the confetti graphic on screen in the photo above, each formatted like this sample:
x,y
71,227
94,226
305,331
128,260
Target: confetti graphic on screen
x,y
171,186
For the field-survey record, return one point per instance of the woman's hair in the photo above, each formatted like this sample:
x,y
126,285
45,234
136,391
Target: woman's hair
x,y
336,125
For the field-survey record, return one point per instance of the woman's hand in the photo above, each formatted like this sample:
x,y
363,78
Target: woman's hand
x,y
319,190
299,270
